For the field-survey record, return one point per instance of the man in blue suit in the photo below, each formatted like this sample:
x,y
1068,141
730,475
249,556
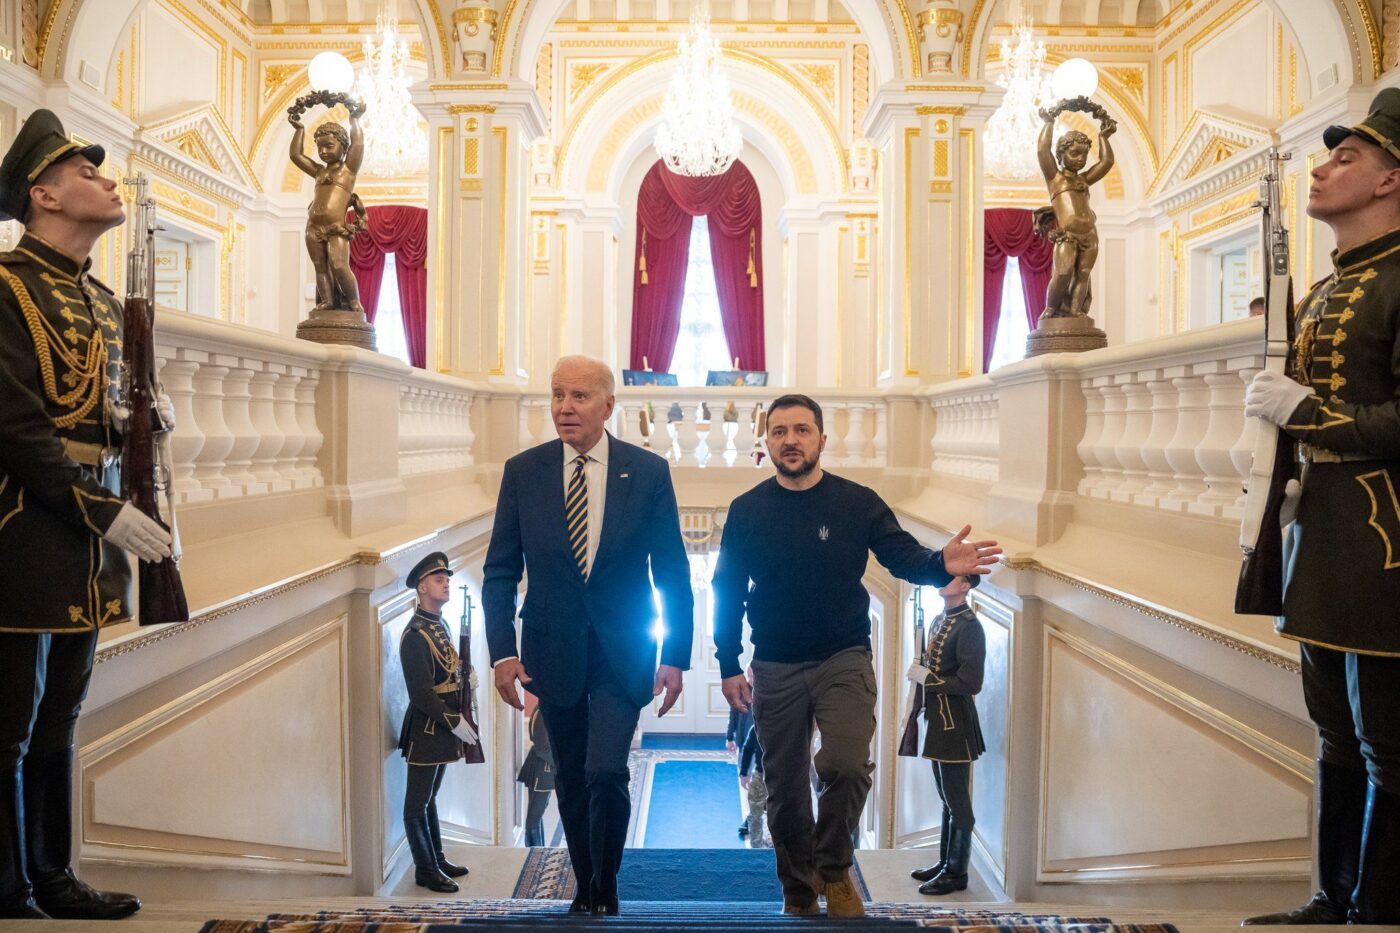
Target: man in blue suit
x,y
595,521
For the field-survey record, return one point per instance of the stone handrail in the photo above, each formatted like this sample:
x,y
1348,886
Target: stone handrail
x,y
714,426
254,412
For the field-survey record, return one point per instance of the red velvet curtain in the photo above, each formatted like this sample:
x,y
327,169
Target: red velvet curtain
x,y
1008,231
403,231
665,206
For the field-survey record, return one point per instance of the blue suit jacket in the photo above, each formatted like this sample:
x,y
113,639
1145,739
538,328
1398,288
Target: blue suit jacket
x,y
640,542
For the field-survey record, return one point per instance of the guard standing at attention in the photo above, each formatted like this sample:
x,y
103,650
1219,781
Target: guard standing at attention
x,y
65,531
434,729
1343,578
951,674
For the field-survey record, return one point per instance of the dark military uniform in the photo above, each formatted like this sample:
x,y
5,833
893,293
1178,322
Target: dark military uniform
x,y
433,674
1342,587
537,774
60,348
955,657
957,649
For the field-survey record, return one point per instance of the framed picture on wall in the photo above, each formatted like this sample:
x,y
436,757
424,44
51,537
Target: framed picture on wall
x,y
645,377
736,377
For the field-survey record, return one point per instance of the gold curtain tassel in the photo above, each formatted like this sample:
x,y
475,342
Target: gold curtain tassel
x,y
642,262
753,270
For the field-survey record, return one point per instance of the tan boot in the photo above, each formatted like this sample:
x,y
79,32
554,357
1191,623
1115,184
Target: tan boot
x,y
842,899
795,909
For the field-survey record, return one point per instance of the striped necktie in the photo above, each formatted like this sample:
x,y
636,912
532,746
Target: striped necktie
x,y
576,514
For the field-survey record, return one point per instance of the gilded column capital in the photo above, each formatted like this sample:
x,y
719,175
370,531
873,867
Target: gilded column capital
x,y
940,33
474,33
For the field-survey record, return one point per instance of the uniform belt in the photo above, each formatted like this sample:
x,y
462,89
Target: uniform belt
x,y
83,452
452,686
1310,454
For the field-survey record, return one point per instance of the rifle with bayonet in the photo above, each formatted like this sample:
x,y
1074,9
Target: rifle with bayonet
x,y
1260,587
146,457
472,754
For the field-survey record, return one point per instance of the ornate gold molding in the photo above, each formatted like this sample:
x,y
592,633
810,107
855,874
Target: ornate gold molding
x,y
1157,613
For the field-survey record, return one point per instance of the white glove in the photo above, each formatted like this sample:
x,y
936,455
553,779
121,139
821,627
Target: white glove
x,y
133,531
917,674
472,680
1273,397
1288,512
117,415
465,732
165,411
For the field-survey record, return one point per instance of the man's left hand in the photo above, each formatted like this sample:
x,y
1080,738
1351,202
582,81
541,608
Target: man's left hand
x,y
668,678
1273,397
963,558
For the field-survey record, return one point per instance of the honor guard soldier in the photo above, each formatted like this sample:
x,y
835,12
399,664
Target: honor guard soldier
x,y
64,529
1343,584
434,729
951,674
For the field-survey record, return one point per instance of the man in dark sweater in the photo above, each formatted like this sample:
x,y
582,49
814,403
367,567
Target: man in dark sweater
x,y
794,551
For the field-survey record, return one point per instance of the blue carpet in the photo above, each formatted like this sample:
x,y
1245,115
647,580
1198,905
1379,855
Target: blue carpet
x,y
669,740
694,805
712,875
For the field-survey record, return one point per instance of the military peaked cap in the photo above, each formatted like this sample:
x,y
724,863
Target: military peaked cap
x,y
1381,126
41,142
435,562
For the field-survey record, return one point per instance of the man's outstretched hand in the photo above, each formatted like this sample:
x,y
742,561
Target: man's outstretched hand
x,y
963,558
507,672
737,691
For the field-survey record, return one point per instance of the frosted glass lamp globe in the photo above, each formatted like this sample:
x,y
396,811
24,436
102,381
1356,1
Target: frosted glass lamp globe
x,y
331,71
1076,77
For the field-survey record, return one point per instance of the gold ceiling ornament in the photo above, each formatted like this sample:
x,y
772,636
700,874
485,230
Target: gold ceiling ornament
x,y
274,76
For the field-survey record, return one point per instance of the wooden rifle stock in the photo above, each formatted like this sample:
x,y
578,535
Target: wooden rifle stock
x,y
472,754
144,476
1260,587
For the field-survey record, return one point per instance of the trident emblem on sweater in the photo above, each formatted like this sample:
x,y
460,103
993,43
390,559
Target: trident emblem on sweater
x,y
823,533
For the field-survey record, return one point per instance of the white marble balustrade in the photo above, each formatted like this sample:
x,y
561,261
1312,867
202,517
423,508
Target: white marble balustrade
x,y
966,428
435,432
246,415
1165,426
689,427
245,408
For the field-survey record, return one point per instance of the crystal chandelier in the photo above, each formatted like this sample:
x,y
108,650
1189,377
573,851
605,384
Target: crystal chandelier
x,y
698,135
1012,131
396,143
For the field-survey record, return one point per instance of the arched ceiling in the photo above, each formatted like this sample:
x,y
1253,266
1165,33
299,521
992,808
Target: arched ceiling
x,y
721,11
277,12
1092,12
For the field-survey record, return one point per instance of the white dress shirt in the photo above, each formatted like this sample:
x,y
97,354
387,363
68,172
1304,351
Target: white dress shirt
x,y
595,474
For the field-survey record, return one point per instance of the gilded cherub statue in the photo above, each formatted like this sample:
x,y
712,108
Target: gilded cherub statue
x,y
338,316
1069,223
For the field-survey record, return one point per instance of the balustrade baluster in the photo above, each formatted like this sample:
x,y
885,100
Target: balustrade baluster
x,y
308,467
1163,415
177,377
263,416
1193,419
1222,478
209,415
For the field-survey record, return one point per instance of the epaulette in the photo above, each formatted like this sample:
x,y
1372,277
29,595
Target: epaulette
x,y
101,284
13,258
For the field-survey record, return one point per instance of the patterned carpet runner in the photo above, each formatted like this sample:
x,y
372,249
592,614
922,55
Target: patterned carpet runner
x,y
702,917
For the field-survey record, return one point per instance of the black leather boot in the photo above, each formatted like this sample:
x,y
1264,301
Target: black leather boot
x,y
16,896
48,836
426,873
954,874
928,874
444,866
1377,895
1341,813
